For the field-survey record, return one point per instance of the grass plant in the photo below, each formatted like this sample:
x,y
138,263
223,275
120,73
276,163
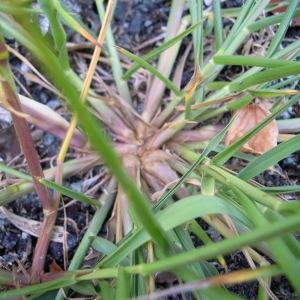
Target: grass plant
x,y
165,168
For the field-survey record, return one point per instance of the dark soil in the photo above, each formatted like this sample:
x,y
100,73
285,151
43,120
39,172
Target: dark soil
x,y
135,22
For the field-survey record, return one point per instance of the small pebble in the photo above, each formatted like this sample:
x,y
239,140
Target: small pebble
x,y
72,5
76,186
53,104
43,97
24,68
56,251
289,162
48,139
44,24
136,23
10,258
72,241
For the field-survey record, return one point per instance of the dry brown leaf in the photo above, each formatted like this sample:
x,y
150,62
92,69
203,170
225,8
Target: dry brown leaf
x,y
245,119
192,85
32,227
54,267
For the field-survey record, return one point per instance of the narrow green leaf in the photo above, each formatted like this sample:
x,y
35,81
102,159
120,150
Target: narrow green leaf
x,y
281,252
114,57
210,147
169,84
265,76
284,189
68,279
215,85
261,163
196,12
254,61
218,24
122,287
15,173
69,193
221,248
52,185
271,93
275,19
103,245
92,231
85,288
57,30
190,208
157,51
284,24
107,291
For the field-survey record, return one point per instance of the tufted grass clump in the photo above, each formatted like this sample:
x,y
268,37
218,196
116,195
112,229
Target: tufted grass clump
x,y
166,167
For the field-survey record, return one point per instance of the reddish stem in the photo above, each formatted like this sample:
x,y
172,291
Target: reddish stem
x,y
11,99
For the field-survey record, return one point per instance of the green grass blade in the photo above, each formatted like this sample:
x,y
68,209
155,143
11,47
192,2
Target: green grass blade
x,y
196,12
191,207
68,279
284,24
263,23
245,11
271,93
210,147
107,292
92,231
218,24
18,9
270,158
104,246
157,51
15,173
282,254
224,176
284,189
286,52
57,30
69,193
143,63
221,248
114,57
254,61
122,286
52,185
265,76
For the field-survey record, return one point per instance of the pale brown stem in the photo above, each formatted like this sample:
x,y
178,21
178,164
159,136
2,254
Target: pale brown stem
x,y
50,121
156,164
111,119
202,134
164,135
168,111
123,149
165,63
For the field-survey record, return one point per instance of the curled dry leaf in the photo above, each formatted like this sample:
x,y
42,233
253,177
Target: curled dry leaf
x,y
32,227
245,119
